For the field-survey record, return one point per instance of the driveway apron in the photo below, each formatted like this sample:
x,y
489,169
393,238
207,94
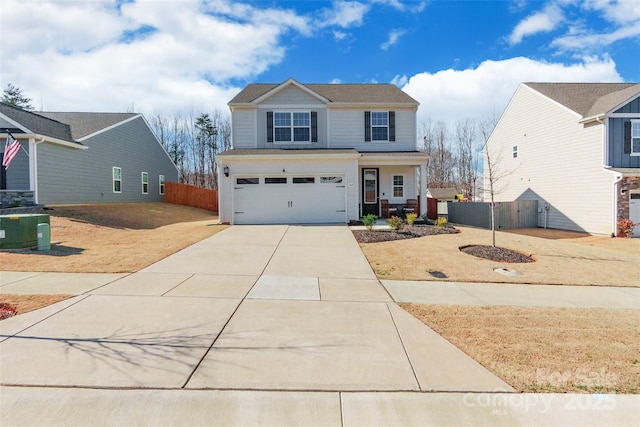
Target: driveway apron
x,y
251,308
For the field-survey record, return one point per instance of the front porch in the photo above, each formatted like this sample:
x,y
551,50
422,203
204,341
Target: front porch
x,y
392,183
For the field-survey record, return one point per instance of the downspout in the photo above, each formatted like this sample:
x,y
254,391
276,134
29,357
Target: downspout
x,y
618,177
615,204
35,168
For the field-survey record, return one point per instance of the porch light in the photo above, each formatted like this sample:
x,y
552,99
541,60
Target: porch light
x,y
226,171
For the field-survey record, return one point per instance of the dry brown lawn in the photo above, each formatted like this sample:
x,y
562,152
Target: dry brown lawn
x,y
27,303
561,258
108,238
545,349
114,237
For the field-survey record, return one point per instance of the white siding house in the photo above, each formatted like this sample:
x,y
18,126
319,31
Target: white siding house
x,y
319,153
551,145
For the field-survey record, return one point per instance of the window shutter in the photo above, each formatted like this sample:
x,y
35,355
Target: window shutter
x,y
314,126
367,126
269,126
392,125
627,137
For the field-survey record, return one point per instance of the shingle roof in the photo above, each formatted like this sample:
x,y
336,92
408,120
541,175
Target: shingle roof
x,y
38,124
588,99
336,93
83,124
443,193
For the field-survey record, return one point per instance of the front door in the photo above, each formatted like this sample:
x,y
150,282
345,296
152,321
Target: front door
x,y
634,211
370,187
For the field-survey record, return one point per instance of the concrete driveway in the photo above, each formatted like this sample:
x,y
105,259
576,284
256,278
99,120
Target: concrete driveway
x,y
253,307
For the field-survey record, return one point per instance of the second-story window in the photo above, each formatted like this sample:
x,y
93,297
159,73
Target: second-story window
x,y
379,125
292,126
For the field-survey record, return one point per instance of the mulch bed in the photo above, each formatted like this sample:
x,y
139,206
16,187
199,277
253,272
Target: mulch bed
x,y
496,253
407,232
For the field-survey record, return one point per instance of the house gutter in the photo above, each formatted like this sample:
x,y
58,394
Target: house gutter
x,y
618,178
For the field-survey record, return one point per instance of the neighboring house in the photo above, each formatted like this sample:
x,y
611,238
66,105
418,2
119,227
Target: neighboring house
x,y
574,147
319,153
71,158
443,194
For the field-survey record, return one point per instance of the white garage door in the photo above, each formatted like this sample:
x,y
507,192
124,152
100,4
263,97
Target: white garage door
x,y
289,199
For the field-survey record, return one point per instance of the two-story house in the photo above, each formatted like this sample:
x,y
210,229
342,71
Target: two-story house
x,y
69,158
319,153
574,147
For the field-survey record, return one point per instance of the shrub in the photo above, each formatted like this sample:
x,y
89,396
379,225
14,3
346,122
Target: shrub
x,y
369,220
402,214
411,217
626,227
395,222
441,222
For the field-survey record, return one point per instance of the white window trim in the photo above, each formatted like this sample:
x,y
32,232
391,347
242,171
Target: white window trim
x,y
113,180
637,122
142,183
161,185
292,127
379,141
393,186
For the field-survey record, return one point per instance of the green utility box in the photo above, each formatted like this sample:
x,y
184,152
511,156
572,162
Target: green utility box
x,y
20,230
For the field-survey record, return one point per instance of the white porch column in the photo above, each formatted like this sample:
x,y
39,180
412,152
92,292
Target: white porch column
x,y
423,188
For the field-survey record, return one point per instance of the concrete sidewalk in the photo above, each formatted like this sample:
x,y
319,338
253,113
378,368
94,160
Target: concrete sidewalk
x,y
25,407
432,292
256,325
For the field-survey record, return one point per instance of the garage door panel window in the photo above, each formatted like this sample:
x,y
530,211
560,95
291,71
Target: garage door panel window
x,y
304,180
245,181
331,179
277,180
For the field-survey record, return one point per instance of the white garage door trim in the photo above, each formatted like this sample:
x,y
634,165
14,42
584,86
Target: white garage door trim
x,y
304,198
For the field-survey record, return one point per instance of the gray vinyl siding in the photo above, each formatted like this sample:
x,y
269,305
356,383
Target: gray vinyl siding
x,y
631,107
292,96
617,158
86,176
262,130
347,130
5,124
18,172
243,124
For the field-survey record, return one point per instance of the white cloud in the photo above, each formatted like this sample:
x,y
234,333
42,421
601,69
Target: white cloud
x,y
394,36
619,12
539,22
399,81
339,35
411,6
343,14
452,95
72,57
581,40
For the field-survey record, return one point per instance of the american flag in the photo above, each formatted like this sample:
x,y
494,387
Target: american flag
x,y
11,149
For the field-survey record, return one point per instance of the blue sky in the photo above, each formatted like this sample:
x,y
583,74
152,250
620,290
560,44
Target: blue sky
x,y
457,58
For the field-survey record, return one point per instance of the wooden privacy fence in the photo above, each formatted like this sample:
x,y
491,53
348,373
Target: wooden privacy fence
x,y
509,215
432,208
189,195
